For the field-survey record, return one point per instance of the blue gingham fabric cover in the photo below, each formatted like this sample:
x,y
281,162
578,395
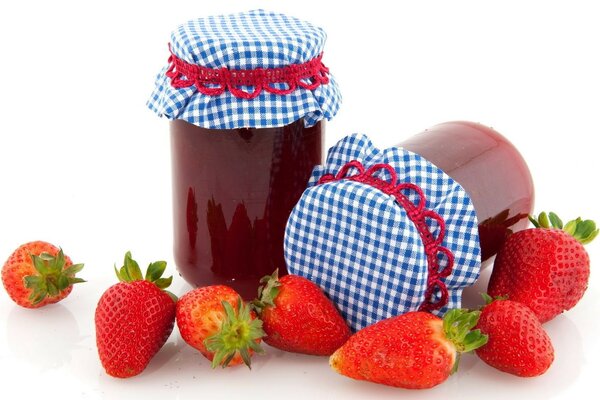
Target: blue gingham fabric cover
x,y
358,244
247,40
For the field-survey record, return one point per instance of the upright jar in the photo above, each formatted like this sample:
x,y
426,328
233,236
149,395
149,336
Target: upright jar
x,y
247,95
489,168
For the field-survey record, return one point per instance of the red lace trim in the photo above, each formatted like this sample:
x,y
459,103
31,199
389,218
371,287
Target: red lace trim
x,y
215,81
419,216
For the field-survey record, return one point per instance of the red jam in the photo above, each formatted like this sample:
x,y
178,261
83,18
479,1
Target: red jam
x,y
489,168
233,191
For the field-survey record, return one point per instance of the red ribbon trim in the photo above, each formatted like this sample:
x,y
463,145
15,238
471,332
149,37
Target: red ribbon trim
x,y
419,215
215,81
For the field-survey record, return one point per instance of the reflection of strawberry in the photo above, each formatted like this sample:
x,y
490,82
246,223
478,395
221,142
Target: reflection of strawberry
x,y
415,350
494,231
238,262
546,268
217,230
248,238
38,273
134,318
50,351
191,218
517,341
218,323
298,317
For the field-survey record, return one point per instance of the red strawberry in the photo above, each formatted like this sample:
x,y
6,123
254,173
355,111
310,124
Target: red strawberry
x,y
292,302
38,273
134,318
416,350
546,268
216,321
517,344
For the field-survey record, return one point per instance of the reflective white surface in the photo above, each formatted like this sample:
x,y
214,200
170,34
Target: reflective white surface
x,y
84,165
51,348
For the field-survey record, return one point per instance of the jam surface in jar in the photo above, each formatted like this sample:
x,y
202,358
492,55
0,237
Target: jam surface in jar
x,y
489,168
233,191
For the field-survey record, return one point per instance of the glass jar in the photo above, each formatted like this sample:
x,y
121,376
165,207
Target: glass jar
x,y
248,96
233,190
489,168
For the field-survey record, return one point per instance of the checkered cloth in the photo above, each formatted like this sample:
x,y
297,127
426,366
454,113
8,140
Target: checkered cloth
x,y
358,244
248,40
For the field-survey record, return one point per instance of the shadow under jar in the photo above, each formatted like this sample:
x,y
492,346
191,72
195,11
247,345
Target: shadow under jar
x,y
233,190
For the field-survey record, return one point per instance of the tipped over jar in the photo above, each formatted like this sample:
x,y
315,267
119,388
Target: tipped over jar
x,y
489,168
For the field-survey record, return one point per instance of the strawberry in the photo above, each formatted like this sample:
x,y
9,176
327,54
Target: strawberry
x,y
416,350
517,344
218,323
38,273
291,302
546,267
134,318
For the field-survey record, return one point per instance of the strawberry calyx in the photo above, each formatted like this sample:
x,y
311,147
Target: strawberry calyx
x,y
487,299
52,277
458,327
131,272
584,231
239,333
267,292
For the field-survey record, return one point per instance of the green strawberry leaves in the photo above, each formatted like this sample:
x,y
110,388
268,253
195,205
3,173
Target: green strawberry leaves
x,y
164,283
583,231
267,292
155,270
53,278
487,299
239,333
130,272
458,327
555,221
73,270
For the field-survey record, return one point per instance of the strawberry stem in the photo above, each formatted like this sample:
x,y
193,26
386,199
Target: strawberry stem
x,y
239,333
53,278
458,327
267,292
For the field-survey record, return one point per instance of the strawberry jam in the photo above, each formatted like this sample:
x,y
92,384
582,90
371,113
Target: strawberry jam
x,y
489,168
233,191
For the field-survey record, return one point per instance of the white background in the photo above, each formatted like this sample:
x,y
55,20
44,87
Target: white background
x,y
85,165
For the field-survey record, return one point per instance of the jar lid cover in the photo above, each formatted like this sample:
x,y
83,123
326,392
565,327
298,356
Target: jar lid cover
x,y
383,232
245,42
